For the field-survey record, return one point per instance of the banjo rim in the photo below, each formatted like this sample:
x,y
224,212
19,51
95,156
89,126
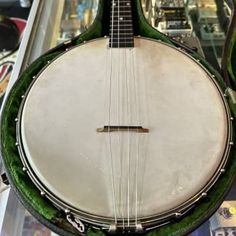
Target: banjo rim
x,y
152,221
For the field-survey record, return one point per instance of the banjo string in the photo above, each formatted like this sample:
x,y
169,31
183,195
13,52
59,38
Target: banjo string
x,y
109,117
144,145
120,141
130,98
129,121
119,112
126,120
129,137
136,89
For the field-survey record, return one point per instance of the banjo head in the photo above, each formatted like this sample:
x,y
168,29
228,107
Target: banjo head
x,y
124,134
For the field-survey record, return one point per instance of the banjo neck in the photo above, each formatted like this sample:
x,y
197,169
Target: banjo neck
x,y
121,24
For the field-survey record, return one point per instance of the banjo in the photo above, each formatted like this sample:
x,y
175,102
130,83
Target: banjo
x,y
120,134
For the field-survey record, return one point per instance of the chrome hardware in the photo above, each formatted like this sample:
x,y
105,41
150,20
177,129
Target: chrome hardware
x,y
67,211
139,228
76,223
16,120
67,42
24,169
204,194
232,94
222,170
112,229
178,214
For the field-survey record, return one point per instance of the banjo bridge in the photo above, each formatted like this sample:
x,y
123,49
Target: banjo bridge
x,y
137,129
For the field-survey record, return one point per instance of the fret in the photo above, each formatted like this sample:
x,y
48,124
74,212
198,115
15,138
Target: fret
x,y
122,31
125,1
126,33
121,11
121,24
122,27
121,1
126,24
122,45
120,21
127,36
117,22
121,8
121,39
119,16
121,42
121,4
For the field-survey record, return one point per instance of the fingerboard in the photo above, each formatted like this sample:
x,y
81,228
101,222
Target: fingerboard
x,y
121,24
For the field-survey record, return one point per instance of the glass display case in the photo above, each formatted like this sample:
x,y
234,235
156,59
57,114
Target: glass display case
x,y
199,24
51,27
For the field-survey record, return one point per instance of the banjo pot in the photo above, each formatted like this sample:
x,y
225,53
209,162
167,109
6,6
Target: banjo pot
x,y
123,133
120,157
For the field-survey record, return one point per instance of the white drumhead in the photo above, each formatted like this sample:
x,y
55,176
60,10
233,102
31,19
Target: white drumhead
x,y
123,173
